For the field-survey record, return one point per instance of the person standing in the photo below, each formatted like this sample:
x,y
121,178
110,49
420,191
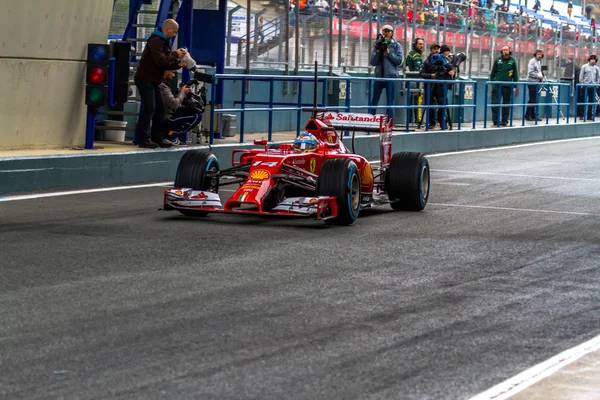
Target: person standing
x,y
588,75
157,58
534,74
386,57
414,61
504,70
436,67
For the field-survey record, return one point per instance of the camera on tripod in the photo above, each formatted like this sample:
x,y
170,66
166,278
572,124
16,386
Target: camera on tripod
x,y
381,43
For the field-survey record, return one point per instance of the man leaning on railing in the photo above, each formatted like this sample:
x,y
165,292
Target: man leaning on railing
x,y
504,70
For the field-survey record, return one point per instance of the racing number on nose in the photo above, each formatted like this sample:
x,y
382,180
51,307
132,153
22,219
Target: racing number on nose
x,y
265,163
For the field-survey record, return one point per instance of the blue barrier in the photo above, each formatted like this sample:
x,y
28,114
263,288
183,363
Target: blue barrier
x,y
347,106
579,90
547,86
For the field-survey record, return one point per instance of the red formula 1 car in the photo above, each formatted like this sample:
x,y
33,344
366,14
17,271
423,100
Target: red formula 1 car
x,y
317,176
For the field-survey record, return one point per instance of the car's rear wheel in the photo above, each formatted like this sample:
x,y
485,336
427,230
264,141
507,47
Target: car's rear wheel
x,y
197,170
407,181
339,177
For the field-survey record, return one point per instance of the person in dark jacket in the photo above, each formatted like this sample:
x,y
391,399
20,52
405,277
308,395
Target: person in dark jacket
x,y
157,58
179,120
437,67
386,57
504,69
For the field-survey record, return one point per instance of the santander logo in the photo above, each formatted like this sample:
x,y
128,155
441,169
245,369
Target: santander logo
x,y
354,117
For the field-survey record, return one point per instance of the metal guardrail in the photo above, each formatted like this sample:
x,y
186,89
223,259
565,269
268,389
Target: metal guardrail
x,y
580,87
547,86
272,107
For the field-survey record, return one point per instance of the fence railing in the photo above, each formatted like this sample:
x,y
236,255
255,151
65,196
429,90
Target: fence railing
x,y
344,84
551,91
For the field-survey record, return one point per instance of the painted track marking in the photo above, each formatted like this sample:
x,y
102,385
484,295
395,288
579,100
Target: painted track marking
x,y
525,379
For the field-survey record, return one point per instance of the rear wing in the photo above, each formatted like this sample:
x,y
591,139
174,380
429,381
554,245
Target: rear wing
x,y
366,123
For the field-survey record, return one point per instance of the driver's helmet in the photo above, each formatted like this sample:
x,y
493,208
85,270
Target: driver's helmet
x,y
306,142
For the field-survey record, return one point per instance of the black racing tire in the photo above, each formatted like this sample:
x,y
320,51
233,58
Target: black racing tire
x,y
339,177
407,181
191,173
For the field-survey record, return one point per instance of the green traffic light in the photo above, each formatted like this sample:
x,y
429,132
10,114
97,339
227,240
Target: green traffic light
x,y
96,95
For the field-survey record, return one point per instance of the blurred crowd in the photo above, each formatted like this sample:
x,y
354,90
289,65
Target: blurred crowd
x,y
480,16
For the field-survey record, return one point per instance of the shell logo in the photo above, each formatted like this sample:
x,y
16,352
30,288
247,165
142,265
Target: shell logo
x,y
260,174
367,175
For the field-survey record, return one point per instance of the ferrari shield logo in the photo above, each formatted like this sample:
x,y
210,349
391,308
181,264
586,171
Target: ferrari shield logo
x,y
312,165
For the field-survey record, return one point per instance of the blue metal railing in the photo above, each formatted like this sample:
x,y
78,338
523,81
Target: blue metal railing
x,y
582,108
547,87
347,106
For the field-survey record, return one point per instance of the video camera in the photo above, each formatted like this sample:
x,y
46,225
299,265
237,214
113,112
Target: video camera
x,y
455,60
381,43
198,76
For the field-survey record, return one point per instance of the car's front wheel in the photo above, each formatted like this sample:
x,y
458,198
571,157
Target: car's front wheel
x,y
197,170
339,177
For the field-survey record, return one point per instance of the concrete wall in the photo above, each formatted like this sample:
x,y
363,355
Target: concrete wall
x,y
42,65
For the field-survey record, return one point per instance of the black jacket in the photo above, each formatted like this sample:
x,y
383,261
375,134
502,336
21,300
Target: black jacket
x,y
441,72
157,58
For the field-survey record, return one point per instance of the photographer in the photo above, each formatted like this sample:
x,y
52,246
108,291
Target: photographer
x,y
386,57
438,68
157,58
180,116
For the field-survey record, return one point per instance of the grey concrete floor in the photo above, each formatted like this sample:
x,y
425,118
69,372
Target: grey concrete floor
x,y
103,296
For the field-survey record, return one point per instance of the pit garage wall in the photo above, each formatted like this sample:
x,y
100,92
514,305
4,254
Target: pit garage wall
x,y
43,46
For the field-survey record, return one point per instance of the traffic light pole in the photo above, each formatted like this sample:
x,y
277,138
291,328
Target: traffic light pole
x,y
90,126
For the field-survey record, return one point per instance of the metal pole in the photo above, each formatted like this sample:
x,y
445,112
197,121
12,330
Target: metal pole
x,y
297,40
360,41
470,48
287,45
339,52
378,15
346,33
229,26
256,25
445,19
437,24
330,43
248,18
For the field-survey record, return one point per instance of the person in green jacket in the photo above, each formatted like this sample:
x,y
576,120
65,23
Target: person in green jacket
x,y
505,70
414,61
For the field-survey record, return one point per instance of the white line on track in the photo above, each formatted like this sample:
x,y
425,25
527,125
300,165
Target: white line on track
x,y
514,209
522,381
516,146
516,175
71,192
108,189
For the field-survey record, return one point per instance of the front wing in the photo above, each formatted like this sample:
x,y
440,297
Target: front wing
x,y
321,207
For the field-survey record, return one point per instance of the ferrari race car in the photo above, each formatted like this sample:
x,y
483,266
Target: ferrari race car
x,y
317,176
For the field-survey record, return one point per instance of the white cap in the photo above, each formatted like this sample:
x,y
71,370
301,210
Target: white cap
x,y
388,27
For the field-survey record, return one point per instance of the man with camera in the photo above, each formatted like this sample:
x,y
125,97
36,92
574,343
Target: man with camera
x,y
386,57
504,69
157,58
534,74
436,67
183,111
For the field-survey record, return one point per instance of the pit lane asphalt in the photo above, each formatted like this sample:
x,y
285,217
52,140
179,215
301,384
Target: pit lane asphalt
x,y
102,296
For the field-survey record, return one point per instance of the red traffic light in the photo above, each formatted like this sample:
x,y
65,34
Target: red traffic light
x,y
96,75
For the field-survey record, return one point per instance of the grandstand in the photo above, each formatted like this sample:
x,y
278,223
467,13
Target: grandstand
x,y
340,34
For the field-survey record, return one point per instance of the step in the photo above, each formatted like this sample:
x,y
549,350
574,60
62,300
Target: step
x,y
143,26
